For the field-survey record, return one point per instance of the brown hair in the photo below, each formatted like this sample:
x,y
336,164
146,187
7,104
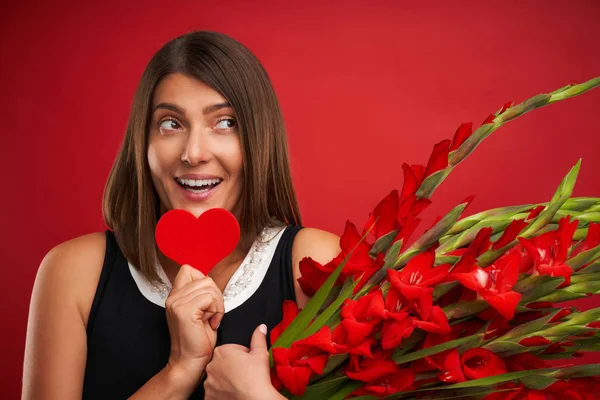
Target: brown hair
x,y
131,204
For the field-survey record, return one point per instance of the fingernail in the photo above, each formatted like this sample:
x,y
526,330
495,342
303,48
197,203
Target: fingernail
x,y
263,329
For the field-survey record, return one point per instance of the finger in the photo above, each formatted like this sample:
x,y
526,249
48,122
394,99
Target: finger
x,y
203,306
194,285
216,319
258,343
186,274
191,290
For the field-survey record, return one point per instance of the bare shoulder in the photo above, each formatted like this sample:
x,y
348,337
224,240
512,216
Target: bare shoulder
x,y
63,292
73,268
321,246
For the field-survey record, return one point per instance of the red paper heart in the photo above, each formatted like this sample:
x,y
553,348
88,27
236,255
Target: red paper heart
x,y
200,242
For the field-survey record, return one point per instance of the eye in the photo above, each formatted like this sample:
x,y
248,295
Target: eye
x,y
168,125
226,123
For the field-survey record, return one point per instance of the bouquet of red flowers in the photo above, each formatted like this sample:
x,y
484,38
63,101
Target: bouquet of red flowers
x,y
469,310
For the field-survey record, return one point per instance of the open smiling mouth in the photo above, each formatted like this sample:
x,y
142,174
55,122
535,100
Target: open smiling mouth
x,y
198,185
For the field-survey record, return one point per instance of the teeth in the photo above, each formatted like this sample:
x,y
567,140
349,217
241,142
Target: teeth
x,y
200,182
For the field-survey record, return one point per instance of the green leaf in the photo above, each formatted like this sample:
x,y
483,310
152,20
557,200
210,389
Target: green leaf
x,y
584,257
431,183
442,259
470,144
578,371
320,321
442,288
496,379
537,287
323,390
590,269
302,320
383,243
538,382
525,329
465,308
346,390
431,236
416,355
507,347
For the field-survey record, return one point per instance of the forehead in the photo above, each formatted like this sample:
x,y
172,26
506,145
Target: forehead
x,y
185,91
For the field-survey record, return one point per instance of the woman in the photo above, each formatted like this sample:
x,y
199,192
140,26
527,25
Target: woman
x,y
205,131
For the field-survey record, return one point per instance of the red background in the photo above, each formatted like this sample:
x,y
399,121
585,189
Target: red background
x,y
364,86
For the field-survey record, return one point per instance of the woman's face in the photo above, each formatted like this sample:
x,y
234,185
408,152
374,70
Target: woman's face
x,y
194,149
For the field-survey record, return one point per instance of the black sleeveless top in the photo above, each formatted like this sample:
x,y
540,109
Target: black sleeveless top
x,y
127,335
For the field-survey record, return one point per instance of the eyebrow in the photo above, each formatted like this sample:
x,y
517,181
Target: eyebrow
x,y
206,110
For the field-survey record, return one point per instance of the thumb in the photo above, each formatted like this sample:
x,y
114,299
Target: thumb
x,y
186,274
258,342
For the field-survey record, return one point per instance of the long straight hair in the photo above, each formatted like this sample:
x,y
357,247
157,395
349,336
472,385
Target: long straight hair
x,y
130,202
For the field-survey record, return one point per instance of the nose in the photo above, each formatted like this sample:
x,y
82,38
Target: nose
x,y
196,149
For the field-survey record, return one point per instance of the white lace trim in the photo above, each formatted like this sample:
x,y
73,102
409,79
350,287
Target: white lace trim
x,y
242,284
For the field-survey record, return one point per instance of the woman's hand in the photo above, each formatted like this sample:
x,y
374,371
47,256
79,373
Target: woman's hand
x,y
194,311
237,372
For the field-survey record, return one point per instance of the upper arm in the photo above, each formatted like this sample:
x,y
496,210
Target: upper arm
x,y
56,343
319,245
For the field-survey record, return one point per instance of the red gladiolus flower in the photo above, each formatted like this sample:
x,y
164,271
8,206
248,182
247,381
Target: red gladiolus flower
x,y
494,283
290,310
360,317
481,363
340,343
367,369
525,361
389,384
384,216
437,322
415,281
468,258
439,158
395,214
510,233
359,264
591,240
399,325
463,132
535,212
295,365
534,341
452,370
549,250
313,274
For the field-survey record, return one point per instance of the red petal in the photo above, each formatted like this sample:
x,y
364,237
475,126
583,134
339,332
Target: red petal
x,y
439,158
481,363
412,180
290,310
489,119
393,332
566,230
373,370
509,270
313,275
510,233
535,212
535,341
504,303
462,133
321,340
557,270
452,368
591,240
295,379
384,216
356,332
